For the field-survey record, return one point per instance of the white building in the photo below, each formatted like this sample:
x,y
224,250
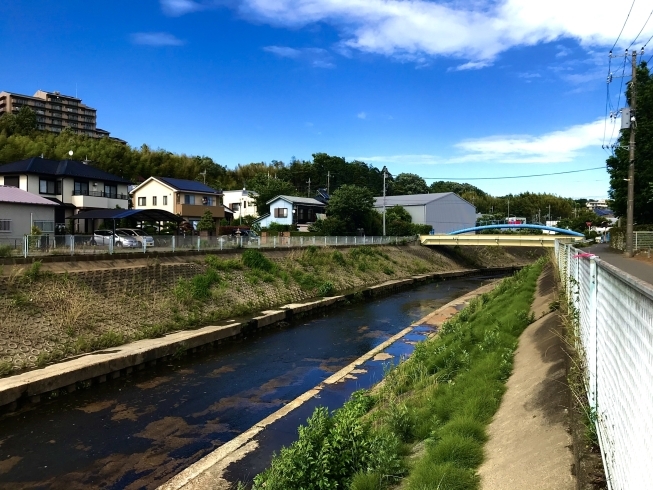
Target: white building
x,y
241,202
20,210
291,210
186,198
594,204
445,211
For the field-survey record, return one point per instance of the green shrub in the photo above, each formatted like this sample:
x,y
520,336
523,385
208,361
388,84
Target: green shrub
x,y
338,258
223,264
256,260
326,289
367,481
5,250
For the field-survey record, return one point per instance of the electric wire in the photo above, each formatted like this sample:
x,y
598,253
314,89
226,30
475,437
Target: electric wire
x,y
640,31
515,176
623,26
621,84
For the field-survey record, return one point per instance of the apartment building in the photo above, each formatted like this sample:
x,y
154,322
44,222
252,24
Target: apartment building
x,y
54,112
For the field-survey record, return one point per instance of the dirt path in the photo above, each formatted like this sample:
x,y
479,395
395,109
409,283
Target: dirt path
x,y
529,443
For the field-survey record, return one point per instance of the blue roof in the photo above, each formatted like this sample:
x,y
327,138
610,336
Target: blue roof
x,y
188,185
60,168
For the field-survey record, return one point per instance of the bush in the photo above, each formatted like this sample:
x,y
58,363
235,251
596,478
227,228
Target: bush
x,y
256,260
5,250
326,289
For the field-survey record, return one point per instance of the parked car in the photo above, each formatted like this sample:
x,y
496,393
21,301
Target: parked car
x,y
104,237
137,234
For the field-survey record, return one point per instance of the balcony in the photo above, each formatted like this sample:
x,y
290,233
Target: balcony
x,y
197,210
99,199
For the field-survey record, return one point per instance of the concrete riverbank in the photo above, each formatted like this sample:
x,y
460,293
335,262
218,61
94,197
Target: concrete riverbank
x,y
219,469
119,361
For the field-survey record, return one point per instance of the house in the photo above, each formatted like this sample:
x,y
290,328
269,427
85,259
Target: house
x,y
20,210
444,211
186,198
73,184
241,202
291,210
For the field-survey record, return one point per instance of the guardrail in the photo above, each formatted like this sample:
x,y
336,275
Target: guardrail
x,y
615,341
40,245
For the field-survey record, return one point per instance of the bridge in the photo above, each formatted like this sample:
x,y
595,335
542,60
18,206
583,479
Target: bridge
x,y
504,240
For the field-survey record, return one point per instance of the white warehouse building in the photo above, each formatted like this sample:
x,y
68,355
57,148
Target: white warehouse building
x,y
444,211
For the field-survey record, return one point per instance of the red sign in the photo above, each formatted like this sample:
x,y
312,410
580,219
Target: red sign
x,y
588,223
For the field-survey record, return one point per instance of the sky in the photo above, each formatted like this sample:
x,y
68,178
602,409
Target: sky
x,y
446,89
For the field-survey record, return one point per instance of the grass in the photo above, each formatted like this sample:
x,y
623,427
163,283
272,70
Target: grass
x,y
440,399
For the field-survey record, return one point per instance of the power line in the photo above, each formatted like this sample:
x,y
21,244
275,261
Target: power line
x,y
514,176
640,31
623,26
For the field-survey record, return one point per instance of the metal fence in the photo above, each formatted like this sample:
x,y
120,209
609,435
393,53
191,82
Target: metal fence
x,y
642,240
615,336
39,245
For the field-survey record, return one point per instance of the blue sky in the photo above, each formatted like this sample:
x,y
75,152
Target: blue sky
x,y
445,89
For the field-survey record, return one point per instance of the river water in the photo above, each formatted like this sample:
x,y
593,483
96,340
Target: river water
x,y
139,431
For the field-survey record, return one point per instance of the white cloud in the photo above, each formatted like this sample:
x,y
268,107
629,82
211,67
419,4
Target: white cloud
x,y
554,147
156,39
468,30
175,8
317,57
361,115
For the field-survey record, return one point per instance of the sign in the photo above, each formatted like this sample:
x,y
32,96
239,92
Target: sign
x,y
588,223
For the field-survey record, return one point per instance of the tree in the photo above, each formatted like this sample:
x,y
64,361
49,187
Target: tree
x,y
25,120
206,223
354,206
398,213
618,164
267,189
405,184
579,223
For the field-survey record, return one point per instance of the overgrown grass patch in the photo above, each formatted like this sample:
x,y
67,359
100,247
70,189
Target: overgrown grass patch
x,y
443,397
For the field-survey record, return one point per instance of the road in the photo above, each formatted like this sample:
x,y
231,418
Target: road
x,y
636,268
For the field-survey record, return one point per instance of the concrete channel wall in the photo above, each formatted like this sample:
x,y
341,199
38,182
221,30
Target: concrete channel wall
x,y
98,366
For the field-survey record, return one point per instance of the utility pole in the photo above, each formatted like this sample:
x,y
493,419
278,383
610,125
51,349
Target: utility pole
x,y
550,213
328,181
384,175
631,166
309,187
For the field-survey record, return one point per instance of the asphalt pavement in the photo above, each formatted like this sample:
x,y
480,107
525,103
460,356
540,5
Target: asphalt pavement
x,y
636,268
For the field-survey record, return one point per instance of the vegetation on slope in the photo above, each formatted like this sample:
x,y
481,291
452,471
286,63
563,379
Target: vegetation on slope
x,y
425,426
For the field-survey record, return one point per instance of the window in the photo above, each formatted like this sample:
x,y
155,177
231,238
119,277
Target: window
x,y
142,201
178,198
111,191
189,199
45,226
235,207
153,200
81,189
208,200
49,187
244,204
13,181
280,212
165,200
5,225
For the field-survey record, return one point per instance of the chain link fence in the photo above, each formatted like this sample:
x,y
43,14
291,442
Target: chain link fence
x,y
642,240
40,245
615,335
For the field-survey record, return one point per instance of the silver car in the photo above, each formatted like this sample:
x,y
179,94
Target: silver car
x,y
104,237
137,234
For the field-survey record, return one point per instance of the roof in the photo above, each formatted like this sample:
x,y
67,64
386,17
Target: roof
x,y
604,212
242,192
187,185
261,218
19,196
298,200
412,200
138,214
59,168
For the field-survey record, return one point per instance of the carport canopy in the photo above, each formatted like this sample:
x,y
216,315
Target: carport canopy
x,y
156,215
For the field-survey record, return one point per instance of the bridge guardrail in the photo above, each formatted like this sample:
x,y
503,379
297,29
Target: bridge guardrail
x,y
615,342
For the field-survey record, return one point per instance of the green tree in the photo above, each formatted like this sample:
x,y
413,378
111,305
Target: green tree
x,y
268,188
618,164
398,213
354,206
206,223
25,120
405,184
579,222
